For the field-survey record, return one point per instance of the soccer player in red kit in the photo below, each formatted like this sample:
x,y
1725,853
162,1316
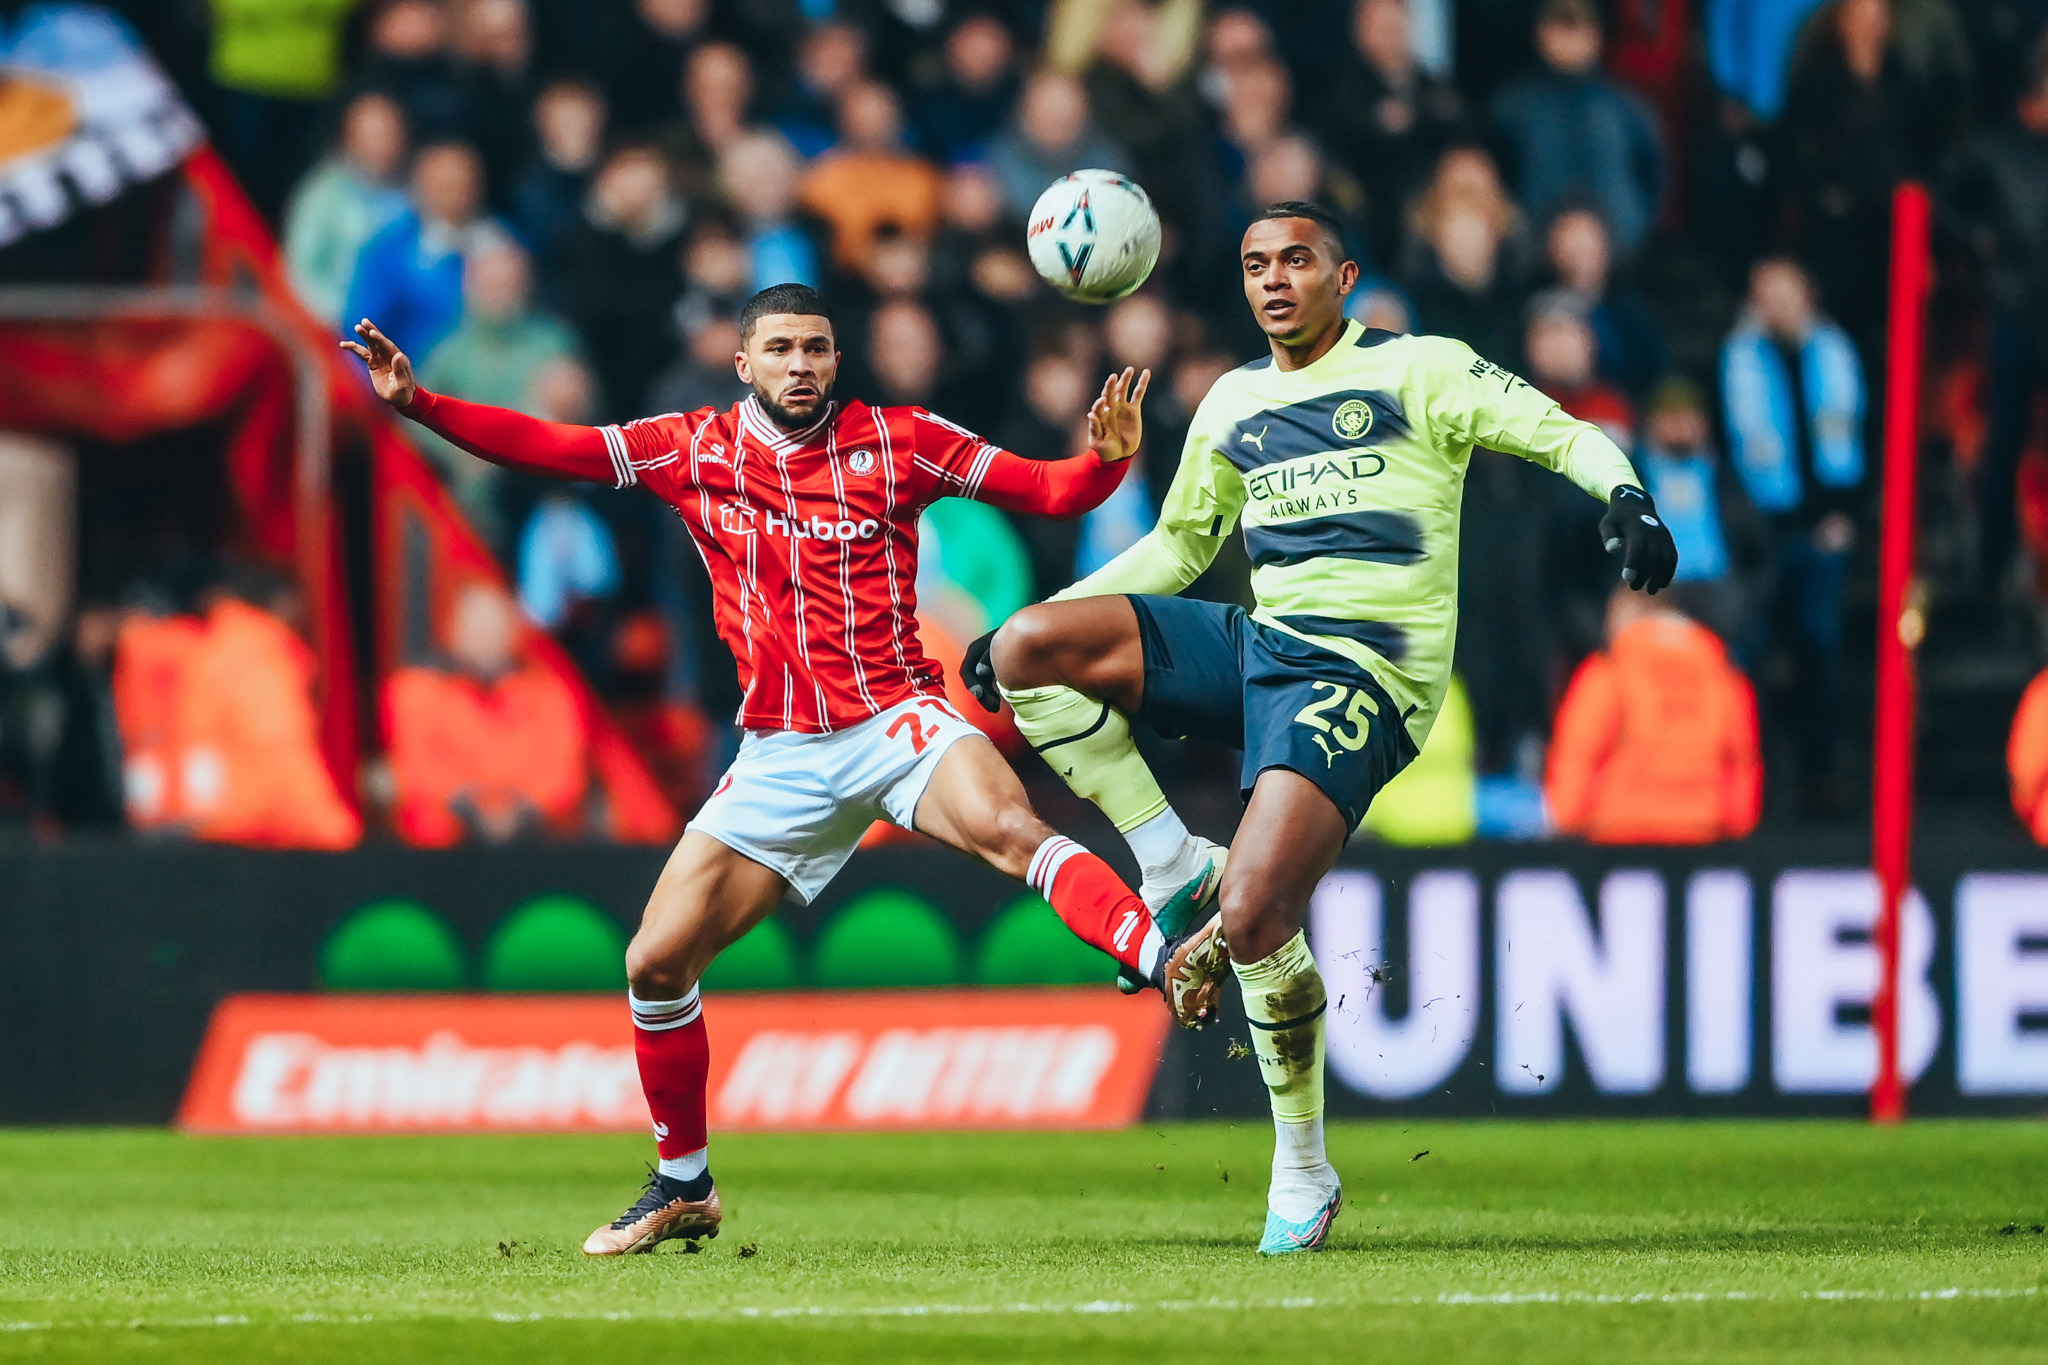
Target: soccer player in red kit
x,y
805,511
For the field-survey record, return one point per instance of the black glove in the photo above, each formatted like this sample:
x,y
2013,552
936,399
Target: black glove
x,y
980,675
1648,555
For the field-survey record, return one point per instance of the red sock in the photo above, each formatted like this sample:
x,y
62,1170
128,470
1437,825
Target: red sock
x,y
1092,900
674,1052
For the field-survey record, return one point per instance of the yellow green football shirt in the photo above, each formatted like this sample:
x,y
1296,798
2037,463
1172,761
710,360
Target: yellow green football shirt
x,y
1347,477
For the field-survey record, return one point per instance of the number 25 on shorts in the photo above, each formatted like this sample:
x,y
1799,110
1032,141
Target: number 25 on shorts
x,y
1359,710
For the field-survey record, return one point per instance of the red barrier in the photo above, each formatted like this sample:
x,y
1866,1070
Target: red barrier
x,y
1030,1058
1899,626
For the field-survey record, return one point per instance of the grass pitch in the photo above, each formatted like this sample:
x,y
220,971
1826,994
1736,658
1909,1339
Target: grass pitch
x,y
1507,1241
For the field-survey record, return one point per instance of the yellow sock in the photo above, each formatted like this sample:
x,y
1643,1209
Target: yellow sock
x,y
1089,744
1284,1001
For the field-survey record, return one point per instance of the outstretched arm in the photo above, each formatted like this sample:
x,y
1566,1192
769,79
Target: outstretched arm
x,y
1046,488
1482,404
557,449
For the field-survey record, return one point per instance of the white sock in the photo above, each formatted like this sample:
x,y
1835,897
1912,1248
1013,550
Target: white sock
x,y
1150,951
688,1166
1162,845
1303,1179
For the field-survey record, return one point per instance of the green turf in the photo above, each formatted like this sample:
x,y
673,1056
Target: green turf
x,y
1786,1241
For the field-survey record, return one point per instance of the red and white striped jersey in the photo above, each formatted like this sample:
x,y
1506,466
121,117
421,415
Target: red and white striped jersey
x,y
810,539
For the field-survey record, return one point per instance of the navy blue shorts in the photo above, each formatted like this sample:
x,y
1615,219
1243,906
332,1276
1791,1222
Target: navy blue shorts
x,y
1213,672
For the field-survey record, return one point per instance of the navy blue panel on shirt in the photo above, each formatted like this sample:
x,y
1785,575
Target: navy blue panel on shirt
x,y
1388,641
1341,420
1379,536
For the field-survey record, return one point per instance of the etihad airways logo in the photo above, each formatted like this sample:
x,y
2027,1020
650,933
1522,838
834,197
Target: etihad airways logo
x,y
737,518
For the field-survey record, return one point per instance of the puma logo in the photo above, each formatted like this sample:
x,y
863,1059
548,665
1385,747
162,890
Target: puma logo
x,y
1258,440
1329,754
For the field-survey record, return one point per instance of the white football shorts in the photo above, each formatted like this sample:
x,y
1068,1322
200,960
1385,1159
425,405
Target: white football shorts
x,y
800,803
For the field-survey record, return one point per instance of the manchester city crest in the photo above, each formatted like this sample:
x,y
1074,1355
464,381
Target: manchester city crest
x,y
1352,419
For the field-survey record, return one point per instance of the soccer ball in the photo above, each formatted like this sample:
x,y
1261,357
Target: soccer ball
x,y
1094,236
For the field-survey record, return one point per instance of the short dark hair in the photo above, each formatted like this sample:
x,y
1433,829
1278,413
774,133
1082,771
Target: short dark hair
x,y
1330,223
782,298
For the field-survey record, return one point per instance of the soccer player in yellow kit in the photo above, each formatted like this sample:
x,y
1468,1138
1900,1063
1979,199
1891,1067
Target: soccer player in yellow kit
x,y
1342,454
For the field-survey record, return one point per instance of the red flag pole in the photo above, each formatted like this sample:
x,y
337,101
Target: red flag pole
x,y
1899,628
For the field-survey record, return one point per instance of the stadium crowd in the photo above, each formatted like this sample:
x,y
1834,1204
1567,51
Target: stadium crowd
x,y
1671,215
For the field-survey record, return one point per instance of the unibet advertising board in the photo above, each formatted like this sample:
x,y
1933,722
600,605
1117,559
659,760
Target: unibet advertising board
x,y
1674,989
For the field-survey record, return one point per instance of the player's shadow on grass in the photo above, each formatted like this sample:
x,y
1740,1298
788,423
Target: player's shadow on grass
x,y
1351,1241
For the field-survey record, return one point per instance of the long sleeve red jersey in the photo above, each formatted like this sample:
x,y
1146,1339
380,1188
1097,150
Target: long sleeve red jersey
x,y
810,537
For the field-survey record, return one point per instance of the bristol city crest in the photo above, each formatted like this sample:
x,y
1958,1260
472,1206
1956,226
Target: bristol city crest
x,y
861,462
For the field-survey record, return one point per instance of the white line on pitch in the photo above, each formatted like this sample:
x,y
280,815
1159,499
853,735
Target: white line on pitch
x,y
1512,1298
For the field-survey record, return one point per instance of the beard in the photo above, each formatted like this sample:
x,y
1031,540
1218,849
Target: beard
x,y
784,417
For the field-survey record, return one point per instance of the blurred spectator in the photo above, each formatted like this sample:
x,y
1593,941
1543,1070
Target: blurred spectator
x,y
1052,136
38,576
1379,304
867,181
643,72
274,67
1794,398
2004,39
718,95
1459,282
1561,348
1652,52
492,43
678,742
1855,123
906,354
703,376
617,274
408,60
707,318
759,174
1142,88
548,192
1056,395
1656,740
719,274
1290,167
1077,31
957,117
343,202
1385,118
1495,43
1570,132
2026,758
1749,49
219,729
1682,472
1258,106
488,745
831,59
567,558
494,355
1581,257
1995,200
1120,521
408,278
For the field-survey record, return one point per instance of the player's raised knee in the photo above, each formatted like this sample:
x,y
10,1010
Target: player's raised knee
x,y
1026,650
